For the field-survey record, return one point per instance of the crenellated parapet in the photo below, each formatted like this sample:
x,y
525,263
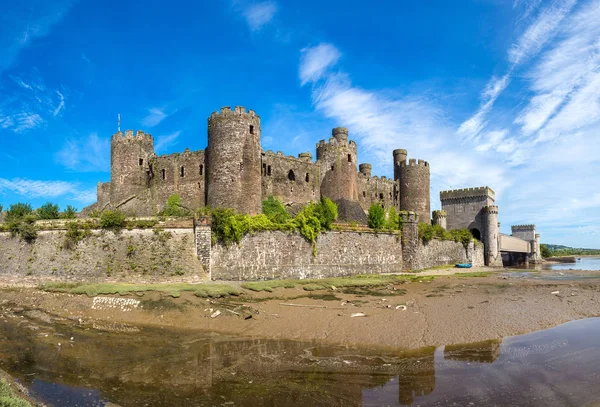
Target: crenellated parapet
x,y
414,179
515,228
491,209
439,218
237,111
467,193
337,160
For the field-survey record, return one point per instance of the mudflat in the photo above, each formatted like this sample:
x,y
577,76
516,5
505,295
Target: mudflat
x,y
443,310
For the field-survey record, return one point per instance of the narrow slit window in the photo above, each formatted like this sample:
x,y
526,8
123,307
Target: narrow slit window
x,y
264,171
201,169
307,178
380,196
251,129
164,174
291,176
332,168
349,158
364,194
141,161
182,171
269,170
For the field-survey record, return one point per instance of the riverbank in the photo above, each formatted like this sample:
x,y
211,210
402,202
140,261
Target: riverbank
x,y
409,313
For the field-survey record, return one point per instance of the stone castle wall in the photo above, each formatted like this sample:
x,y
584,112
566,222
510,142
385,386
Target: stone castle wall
x,y
376,190
292,180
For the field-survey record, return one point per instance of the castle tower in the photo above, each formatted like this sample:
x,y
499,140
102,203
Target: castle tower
x,y
400,156
414,186
233,158
528,233
365,169
439,218
337,161
491,233
130,171
410,239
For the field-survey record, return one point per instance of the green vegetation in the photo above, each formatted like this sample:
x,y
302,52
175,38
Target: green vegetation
x,y
174,208
559,251
368,280
114,220
69,213
20,220
428,232
174,290
315,218
274,210
474,274
393,221
75,233
376,217
8,397
48,211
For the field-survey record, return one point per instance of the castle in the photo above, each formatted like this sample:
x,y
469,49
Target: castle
x,y
235,172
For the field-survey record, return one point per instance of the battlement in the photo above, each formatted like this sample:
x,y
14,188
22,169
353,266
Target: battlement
x,y
400,151
490,209
467,193
237,110
414,163
306,156
409,216
439,214
522,228
129,136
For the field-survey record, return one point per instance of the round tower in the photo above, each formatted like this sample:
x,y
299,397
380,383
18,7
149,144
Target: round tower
x,y
491,235
399,158
337,161
439,218
130,170
414,188
233,155
365,169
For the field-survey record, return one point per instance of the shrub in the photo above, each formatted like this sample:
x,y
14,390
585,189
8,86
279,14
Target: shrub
x,y
274,210
428,232
114,220
18,211
545,251
69,213
376,217
174,208
75,233
27,229
327,212
393,221
48,211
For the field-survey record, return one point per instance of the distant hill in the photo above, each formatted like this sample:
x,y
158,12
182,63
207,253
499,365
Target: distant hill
x,y
561,247
560,250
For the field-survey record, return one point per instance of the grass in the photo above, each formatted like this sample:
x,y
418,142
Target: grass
x,y
474,274
8,398
174,290
369,280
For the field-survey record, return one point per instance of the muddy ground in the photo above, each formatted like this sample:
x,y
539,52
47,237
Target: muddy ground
x,y
447,310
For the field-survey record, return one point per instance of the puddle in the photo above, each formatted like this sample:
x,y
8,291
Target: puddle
x,y
156,367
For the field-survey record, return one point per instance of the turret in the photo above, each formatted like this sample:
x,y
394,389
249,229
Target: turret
x,y
365,169
337,161
233,155
399,158
130,171
439,218
491,233
414,187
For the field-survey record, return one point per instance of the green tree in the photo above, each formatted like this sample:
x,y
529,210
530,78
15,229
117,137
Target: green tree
x,y
545,251
48,211
174,208
393,221
114,220
274,210
69,213
18,211
327,212
376,217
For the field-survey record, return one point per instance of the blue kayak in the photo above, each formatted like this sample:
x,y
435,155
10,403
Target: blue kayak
x,y
463,265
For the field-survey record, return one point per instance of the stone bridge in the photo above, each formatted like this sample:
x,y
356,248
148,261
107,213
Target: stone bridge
x,y
514,244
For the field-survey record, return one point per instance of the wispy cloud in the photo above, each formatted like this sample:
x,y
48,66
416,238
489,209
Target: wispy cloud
x,y
257,15
165,141
315,62
32,189
90,154
154,117
25,21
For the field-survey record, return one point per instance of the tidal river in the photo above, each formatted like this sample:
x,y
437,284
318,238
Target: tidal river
x,y
582,263
66,365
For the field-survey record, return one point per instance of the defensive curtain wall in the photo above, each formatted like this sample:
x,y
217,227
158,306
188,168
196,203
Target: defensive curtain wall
x,y
182,250
235,172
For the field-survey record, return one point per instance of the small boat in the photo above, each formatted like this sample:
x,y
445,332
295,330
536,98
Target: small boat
x,y
463,265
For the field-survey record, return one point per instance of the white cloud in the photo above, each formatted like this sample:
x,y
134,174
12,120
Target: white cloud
x,y
259,14
91,154
154,117
61,104
32,189
25,21
315,62
166,141
26,121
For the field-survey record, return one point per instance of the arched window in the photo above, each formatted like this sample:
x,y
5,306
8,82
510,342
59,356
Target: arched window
x,y
291,176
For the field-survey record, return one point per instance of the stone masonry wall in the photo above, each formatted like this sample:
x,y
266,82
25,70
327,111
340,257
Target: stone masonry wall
x,y
278,255
139,255
292,180
442,252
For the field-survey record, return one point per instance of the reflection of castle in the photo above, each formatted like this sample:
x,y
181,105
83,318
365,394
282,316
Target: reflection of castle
x,y
418,379
235,172
481,352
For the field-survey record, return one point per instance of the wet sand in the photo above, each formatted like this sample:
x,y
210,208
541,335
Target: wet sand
x,y
448,310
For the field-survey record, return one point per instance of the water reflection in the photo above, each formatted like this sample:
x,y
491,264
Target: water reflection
x,y
169,368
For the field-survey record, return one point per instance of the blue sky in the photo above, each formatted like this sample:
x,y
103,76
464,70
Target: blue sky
x,y
498,93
